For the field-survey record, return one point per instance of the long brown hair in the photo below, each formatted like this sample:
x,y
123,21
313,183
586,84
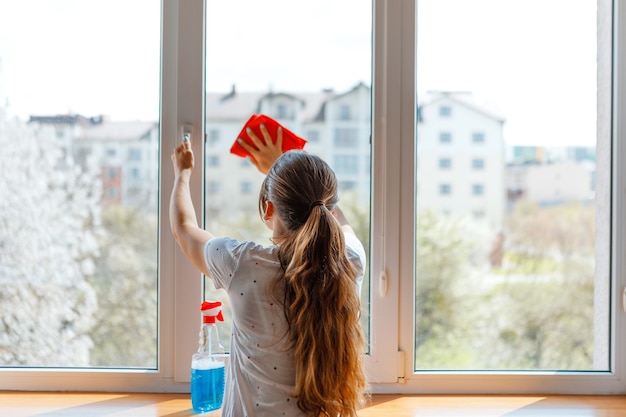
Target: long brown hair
x,y
318,288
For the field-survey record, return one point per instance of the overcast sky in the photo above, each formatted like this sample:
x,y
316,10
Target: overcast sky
x,y
531,60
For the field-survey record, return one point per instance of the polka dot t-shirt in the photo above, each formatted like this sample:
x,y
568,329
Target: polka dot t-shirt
x,y
260,378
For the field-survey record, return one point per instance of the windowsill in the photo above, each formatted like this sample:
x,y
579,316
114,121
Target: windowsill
x,y
61,404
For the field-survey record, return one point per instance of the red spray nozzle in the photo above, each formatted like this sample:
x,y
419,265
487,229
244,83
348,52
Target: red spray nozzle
x,y
211,310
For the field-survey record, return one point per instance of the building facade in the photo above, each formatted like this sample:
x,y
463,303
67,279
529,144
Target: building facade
x,y
460,159
460,152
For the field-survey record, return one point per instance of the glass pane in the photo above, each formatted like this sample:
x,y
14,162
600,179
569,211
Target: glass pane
x,y
506,251
79,102
276,61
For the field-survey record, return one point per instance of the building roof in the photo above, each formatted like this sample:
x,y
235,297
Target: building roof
x,y
463,98
66,119
240,105
121,131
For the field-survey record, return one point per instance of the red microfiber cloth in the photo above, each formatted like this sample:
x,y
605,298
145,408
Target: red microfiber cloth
x,y
290,139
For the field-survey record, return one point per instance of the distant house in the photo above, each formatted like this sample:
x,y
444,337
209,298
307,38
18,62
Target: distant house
x,y
336,126
124,154
460,150
460,158
551,175
127,154
558,182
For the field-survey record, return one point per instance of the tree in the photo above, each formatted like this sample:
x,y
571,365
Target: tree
x,y
548,266
125,281
447,261
49,218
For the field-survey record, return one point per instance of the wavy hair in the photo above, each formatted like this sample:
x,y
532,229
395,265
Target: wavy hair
x,y
318,288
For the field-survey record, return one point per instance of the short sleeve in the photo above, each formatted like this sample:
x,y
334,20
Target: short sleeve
x,y
226,258
221,261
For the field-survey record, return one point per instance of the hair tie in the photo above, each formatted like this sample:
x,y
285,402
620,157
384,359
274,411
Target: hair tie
x,y
315,204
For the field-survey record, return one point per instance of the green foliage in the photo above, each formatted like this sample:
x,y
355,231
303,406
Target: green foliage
x,y
535,312
539,328
443,248
126,287
545,295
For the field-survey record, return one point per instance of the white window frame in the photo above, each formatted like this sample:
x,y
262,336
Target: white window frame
x,y
393,205
388,362
180,284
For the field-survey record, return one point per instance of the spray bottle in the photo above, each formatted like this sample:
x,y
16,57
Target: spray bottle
x,y
208,363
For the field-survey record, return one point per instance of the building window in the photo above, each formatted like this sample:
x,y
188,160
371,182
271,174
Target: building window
x,y
112,192
134,154
346,138
346,164
478,189
112,173
246,187
111,152
135,174
478,214
478,163
344,112
213,136
445,137
445,189
281,111
478,137
213,187
347,185
313,136
445,163
213,160
445,111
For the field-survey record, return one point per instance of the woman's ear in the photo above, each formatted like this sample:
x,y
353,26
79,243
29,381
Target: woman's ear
x,y
268,215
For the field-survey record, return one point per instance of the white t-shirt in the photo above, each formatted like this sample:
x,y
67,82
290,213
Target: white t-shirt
x,y
260,379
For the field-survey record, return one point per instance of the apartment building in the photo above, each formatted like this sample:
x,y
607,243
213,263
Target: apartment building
x,y
335,125
460,159
551,175
460,169
127,154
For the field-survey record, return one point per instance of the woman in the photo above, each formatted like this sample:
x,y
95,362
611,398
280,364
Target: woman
x,y
296,345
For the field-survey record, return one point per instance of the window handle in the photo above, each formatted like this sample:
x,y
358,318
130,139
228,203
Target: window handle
x,y
186,130
383,284
624,299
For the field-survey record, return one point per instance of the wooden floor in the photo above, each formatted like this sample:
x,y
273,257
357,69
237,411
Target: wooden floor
x,y
29,404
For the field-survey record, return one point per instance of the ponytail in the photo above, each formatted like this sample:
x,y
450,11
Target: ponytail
x,y
318,287
323,310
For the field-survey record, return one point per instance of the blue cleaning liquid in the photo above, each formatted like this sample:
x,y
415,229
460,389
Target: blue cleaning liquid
x,y
207,389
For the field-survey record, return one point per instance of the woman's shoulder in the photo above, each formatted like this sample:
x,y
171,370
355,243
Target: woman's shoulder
x,y
227,258
225,246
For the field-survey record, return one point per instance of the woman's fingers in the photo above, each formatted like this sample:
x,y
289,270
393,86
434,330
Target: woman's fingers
x,y
255,139
266,136
245,145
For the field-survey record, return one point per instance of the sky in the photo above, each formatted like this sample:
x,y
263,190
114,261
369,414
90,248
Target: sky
x,y
532,61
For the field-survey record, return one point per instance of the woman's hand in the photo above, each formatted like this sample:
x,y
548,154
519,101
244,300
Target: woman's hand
x,y
182,159
265,151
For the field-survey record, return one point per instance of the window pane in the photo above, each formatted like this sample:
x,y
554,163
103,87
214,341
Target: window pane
x,y
316,83
506,236
79,169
